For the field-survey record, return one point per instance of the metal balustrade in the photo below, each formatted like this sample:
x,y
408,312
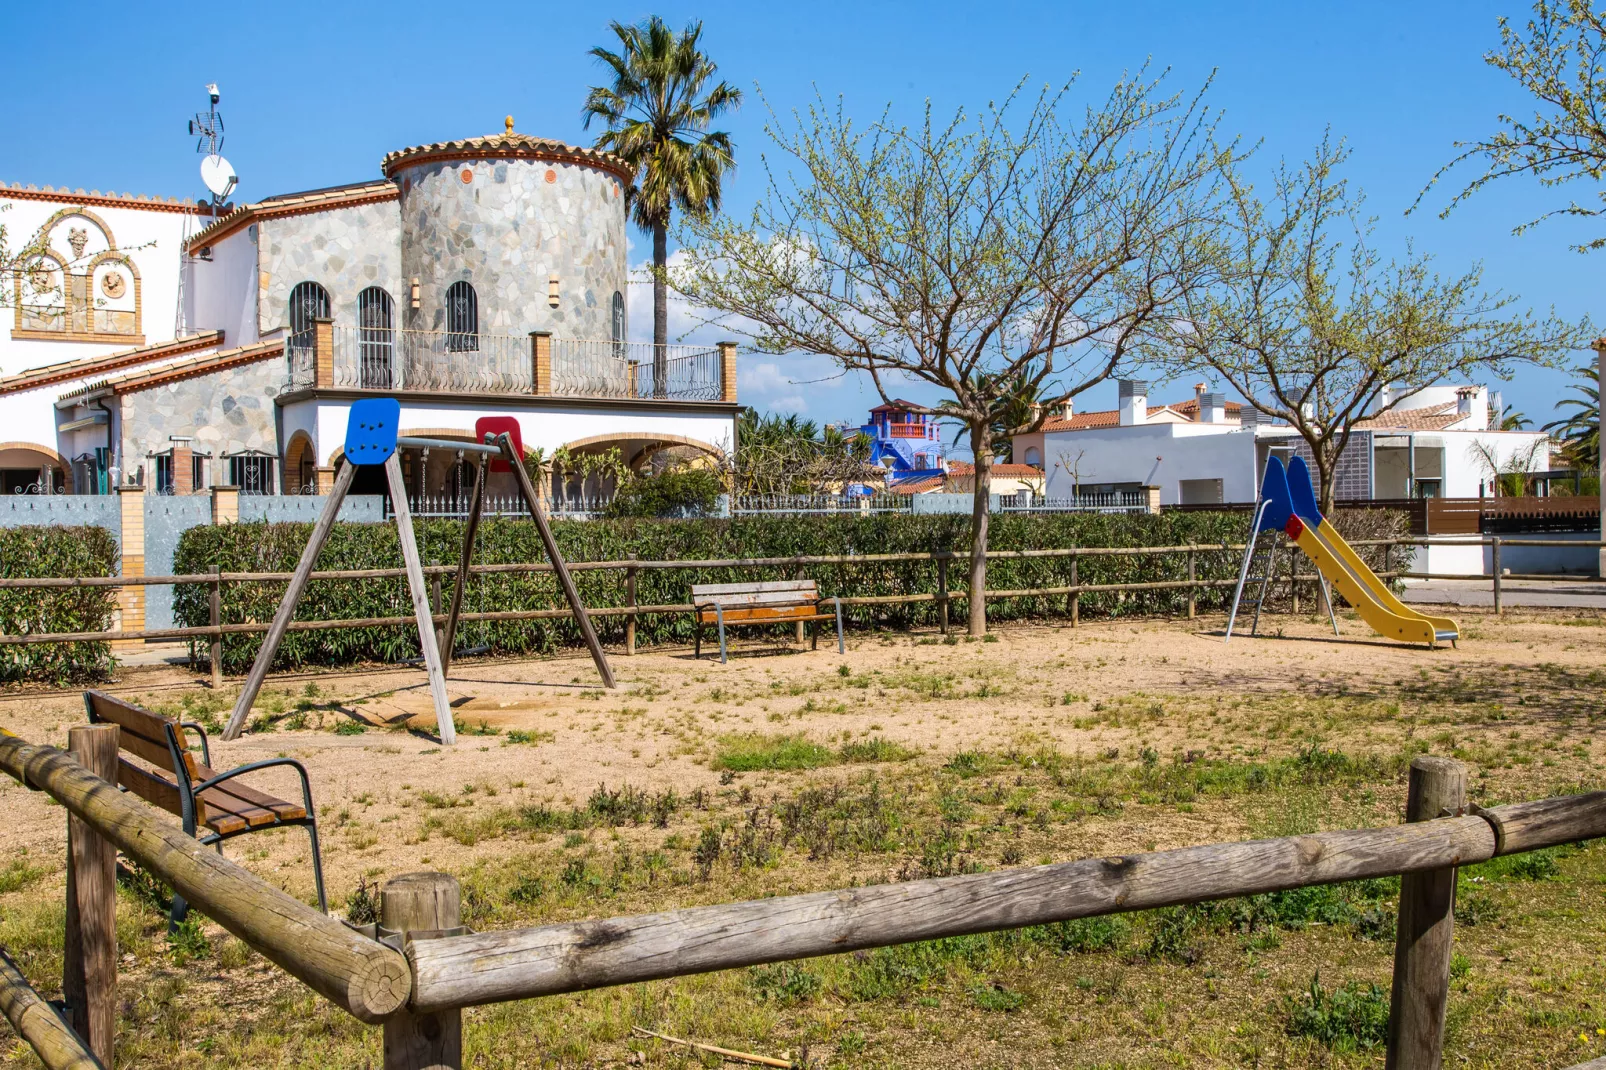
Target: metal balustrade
x,y
583,368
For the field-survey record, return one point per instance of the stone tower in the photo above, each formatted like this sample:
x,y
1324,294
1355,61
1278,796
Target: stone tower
x,y
535,226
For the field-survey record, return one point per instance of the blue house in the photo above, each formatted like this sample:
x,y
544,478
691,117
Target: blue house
x,y
906,444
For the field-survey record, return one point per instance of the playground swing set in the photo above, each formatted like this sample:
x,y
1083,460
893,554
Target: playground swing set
x,y
372,439
1286,510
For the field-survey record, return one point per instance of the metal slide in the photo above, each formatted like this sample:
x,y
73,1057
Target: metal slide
x,y
1295,505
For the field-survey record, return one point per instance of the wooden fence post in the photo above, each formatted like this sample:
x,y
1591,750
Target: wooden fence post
x,y
1422,941
942,594
630,600
1193,603
215,610
422,902
1076,596
1494,546
89,967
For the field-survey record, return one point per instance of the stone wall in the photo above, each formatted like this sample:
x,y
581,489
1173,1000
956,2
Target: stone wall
x,y
225,413
506,231
345,250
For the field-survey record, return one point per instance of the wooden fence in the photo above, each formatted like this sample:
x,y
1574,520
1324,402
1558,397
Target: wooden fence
x,y
1298,578
416,970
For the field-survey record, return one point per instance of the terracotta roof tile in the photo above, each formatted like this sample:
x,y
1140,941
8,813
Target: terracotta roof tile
x,y
187,368
1008,471
67,370
1430,418
507,144
917,486
95,197
1084,421
287,204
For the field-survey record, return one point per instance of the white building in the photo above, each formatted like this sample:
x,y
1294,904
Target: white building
x,y
1203,451
483,276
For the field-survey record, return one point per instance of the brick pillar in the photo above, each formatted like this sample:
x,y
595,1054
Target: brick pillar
x,y
183,469
1152,499
326,479
541,362
225,503
131,600
323,352
727,371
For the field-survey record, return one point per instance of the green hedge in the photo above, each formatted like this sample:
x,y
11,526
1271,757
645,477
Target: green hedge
x,y
264,547
33,552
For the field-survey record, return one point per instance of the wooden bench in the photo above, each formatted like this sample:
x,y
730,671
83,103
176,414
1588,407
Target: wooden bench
x,y
199,796
774,602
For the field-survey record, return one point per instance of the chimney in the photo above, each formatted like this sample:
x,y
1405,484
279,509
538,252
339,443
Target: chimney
x,y
1463,400
1213,408
1134,402
1248,417
1198,397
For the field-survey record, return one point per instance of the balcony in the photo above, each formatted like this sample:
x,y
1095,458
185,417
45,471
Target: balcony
x,y
392,361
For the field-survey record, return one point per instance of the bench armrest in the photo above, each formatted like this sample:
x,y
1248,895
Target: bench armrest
x,y
251,767
206,751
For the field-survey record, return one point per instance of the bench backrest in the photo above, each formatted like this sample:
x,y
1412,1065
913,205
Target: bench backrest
x,y
146,735
769,600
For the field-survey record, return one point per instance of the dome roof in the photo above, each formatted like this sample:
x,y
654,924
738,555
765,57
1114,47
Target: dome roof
x,y
507,145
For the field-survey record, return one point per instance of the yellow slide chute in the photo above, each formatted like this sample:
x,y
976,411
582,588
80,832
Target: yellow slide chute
x,y
1292,504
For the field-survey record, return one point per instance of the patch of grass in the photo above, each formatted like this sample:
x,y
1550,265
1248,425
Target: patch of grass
x,y
1529,866
1350,1018
746,754
783,982
993,996
519,735
17,875
875,749
350,728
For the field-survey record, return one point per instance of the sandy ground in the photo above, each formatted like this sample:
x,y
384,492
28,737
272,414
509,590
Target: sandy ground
x,y
1034,686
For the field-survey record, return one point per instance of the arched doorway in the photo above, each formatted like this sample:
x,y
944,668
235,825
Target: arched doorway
x,y
26,468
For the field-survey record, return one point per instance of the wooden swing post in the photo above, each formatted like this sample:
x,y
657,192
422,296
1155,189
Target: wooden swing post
x,y
565,580
465,559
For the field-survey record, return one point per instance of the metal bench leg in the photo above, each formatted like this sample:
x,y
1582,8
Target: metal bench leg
x,y
814,634
697,636
841,646
317,862
719,614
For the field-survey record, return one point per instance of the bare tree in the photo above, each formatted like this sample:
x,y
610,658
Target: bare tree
x,y
1559,58
1015,253
1311,325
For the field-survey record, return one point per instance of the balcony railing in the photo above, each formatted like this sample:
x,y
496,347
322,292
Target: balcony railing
x,y
363,358
632,370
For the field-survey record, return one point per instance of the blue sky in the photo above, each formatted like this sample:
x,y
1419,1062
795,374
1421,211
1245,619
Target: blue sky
x,y
316,94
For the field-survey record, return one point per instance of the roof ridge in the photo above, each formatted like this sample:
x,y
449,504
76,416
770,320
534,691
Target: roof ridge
x,y
45,374
135,198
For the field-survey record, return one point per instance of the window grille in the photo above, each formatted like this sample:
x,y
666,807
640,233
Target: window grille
x,y
164,473
308,302
462,318
252,473
376,338
197,472
618,321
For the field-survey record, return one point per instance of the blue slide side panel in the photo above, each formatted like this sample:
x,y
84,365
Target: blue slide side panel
x,y
1301,492
1274,492
371,429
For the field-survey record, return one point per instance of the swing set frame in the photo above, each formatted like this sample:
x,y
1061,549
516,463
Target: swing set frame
x,y
371,438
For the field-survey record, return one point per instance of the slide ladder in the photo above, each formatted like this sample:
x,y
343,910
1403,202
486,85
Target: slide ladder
x,y
1260,565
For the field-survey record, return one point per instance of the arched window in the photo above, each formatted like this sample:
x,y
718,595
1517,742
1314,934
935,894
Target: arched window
x,y
309,301
462,318
376,338
618,317
1034,456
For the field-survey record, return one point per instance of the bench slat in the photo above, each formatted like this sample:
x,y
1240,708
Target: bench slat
x,y
700,589
765,615
763,598
143,733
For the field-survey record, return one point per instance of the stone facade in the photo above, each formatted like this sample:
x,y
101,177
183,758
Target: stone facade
x,y
224,413
507,231
344,250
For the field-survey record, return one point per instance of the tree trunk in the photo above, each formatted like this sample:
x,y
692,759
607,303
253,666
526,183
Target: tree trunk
x,y
1326,471
660,310
981,448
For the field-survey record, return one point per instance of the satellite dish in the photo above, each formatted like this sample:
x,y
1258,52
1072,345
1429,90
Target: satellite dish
x,y
218,175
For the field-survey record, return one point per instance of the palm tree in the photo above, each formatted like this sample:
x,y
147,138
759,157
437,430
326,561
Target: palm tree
x,y
1580,427
658,111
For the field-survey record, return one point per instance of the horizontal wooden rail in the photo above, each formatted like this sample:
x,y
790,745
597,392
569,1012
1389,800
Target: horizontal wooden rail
x,y
460,971
37,1022
366,978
